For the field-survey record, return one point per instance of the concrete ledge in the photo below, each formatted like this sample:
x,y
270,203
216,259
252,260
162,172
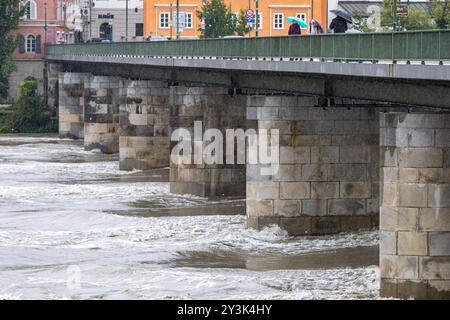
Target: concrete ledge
x,y
378,70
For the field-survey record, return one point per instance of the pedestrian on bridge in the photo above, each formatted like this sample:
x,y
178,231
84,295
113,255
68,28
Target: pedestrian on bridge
x,y
339,25
294,29
315,27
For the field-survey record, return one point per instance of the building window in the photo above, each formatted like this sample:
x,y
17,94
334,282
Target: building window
x,y
106,31
139,30
30,44
164,20
260,21
278,21
189,20
30,10
302,16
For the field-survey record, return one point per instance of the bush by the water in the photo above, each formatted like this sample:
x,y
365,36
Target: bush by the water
x,y
29,113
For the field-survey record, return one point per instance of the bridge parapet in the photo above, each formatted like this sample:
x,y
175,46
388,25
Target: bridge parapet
x,y
433,45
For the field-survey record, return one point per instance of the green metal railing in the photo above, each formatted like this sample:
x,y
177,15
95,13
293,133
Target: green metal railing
x,y
410,45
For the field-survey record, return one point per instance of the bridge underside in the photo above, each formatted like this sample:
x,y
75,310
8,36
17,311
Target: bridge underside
x,y
402,91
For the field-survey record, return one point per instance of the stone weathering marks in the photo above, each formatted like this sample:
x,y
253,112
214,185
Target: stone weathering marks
x,y
328,178
415,207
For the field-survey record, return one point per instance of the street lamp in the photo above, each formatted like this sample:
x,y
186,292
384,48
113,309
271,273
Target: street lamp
x,y
126,21
257,17
178,19
90,19
46,62
45,22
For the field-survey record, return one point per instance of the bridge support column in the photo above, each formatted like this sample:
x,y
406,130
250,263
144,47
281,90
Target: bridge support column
x,y
144,125
215,109
327,180
415,210
101,115
71,104
52,84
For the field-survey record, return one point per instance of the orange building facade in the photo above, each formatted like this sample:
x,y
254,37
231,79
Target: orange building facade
x,y
158,15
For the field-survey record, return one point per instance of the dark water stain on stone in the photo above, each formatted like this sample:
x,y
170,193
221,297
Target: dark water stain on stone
x,y
356,257
158,207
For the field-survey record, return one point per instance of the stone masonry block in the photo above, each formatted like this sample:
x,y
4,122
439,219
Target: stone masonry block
x,y
399,267
343,207
347,172
420,158
259,208
434,219
390,194
446,157
296,226
354,154
413,195
398,219
443,138
295,190
434,175
412,243
356,190
324,190
314,172
287,208
314,207
325,154
434,268
388,243
288,172
439,195
268,190
404,137
439,243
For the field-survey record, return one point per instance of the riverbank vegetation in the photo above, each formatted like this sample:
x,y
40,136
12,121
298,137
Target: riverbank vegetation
x,y
436,15
29,112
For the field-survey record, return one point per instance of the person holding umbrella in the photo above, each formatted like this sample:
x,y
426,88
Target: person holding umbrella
x,y
297,24
315,27
339,23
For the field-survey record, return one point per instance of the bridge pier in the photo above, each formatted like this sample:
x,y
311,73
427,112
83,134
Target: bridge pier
x,y
52,84
415,209
144,125
71,104
327,180
101,114
212,108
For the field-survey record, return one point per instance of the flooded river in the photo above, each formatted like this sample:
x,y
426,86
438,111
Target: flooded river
x,y
72,226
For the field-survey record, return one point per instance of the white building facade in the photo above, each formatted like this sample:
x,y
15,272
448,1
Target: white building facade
x,y
107,19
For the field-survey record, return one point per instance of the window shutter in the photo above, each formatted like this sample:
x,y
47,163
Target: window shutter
x,y
21,44
38,44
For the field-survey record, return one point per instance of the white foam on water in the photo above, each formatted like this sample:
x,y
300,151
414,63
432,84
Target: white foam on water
x,y
54,215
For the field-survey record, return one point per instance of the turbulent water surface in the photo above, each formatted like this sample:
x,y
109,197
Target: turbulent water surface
x,y
72,226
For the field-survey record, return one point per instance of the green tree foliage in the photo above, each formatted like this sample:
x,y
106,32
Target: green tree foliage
x,y
31,113
417,19
3,87
441,13
10,14
241,27
360,23
220,20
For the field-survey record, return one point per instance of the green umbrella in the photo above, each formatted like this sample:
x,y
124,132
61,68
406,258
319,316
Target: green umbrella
x,y
302,23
